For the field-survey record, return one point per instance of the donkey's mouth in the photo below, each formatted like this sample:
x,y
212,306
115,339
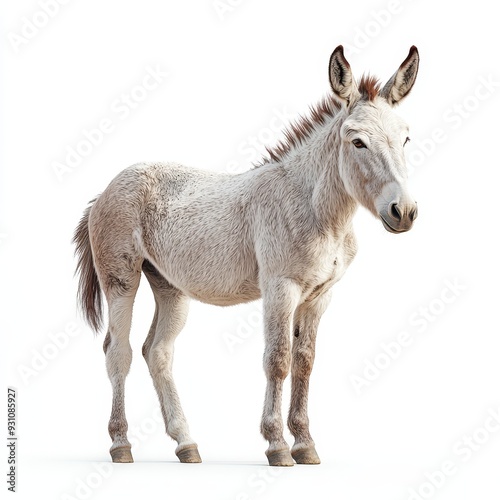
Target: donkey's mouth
x,y
391,229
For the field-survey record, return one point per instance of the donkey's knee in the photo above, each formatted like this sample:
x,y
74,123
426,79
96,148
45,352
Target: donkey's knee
x,y
303,361
277,363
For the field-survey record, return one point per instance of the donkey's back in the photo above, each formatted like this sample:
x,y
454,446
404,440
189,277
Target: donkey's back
x,y
190,224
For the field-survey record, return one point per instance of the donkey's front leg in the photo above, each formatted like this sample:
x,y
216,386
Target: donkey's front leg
x,y
281,297
305,326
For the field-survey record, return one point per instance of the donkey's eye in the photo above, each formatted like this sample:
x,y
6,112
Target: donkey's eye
x,y
359,143
406,140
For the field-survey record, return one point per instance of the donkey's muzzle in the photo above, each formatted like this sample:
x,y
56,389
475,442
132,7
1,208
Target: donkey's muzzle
x,y
399,217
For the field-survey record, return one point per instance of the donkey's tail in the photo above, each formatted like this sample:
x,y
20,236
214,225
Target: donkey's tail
x,y
89,289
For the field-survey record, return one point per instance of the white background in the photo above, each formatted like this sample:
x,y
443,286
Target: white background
x,y
230,74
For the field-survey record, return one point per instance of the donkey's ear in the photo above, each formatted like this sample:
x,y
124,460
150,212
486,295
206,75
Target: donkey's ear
x,y
400,84
341,80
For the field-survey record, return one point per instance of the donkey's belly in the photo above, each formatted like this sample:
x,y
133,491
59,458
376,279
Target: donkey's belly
x,y
225,277
246,293
217,286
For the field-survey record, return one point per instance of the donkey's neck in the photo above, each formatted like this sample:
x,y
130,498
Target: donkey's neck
x,y
314,165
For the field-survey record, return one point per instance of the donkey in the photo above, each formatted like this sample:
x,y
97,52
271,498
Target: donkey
x,y
281,231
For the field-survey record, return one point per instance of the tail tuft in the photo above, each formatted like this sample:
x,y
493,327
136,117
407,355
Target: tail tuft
x,y
89,289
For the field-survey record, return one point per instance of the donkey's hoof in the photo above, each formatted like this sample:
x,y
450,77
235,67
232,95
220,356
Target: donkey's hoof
x,y
280,458
189,454
121,455
306,456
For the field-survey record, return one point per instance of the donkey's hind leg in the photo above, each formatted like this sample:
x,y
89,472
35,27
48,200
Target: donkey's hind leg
x,y
120,294
158,351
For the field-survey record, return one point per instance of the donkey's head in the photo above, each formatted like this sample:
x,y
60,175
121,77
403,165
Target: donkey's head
x,y
372,162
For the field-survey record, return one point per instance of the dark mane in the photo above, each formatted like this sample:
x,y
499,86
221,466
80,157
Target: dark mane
x,y
297,132
369,87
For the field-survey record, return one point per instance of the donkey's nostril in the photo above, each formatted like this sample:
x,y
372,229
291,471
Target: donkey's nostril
x,y
413,213
395,212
